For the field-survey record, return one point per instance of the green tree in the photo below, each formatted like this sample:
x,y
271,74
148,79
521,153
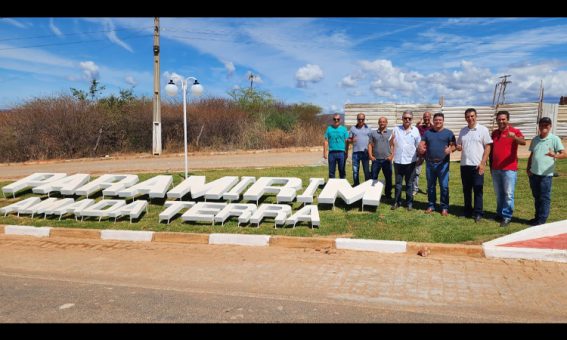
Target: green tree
x,y
253,101
94,89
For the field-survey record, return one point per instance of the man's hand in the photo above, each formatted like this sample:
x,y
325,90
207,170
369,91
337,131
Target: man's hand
x,y
448,150
551,153
372,158
325,155
459,147
480,168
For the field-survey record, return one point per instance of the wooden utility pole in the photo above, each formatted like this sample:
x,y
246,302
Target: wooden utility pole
x,y
156,145
499,96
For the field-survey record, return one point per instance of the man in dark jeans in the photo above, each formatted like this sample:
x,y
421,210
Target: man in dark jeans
x,y
545,149
437,145
380,152
358,137
335,147
474,142
404,142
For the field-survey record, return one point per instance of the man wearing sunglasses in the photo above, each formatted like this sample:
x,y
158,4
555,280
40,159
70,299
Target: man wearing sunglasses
x,y
359,136
404,141
335,148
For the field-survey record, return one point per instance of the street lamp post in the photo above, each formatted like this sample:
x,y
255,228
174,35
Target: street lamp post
x,y
196,90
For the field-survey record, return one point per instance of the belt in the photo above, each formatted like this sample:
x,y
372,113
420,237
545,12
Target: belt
x,y
435,160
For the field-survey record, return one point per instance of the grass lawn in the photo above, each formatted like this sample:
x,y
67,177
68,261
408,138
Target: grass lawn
x,y
346,221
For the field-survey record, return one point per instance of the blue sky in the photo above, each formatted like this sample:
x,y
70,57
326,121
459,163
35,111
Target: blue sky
x,y
324,61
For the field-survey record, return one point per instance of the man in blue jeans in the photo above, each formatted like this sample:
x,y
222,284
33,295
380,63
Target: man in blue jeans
x,y
381,153
545,149
504,166
335,148
358,137
437,145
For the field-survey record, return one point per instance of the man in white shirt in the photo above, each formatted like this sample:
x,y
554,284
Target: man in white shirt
x,y
474,142
405,139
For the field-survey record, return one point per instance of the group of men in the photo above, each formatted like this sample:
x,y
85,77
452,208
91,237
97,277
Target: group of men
x,y
428,142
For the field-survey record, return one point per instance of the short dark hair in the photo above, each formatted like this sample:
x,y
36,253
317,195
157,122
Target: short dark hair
x,y
439,114
503,113
469,110
544,120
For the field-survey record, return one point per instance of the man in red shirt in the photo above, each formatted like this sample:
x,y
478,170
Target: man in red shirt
x,y
504,166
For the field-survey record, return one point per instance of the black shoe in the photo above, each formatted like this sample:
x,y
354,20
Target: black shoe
x,y
394,206
534,222
477,218
505,222
498,218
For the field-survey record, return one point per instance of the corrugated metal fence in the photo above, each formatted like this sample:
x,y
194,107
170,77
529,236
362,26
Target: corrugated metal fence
x,y
522,115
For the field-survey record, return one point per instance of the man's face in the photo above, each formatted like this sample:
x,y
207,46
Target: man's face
x,y
544,129
502,121
360,119
438,122
471,118
382,123
406,121
427,118
336,120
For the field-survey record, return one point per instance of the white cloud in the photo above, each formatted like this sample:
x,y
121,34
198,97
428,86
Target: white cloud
x,y
308,74
229,65
14,22
112,36
348,81
54,28
167,76
90,69
130,80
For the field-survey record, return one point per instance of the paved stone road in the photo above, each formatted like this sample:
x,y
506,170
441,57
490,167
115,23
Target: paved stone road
x,y
449,288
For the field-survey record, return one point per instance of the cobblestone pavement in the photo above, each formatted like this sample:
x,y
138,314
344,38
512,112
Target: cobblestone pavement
x,y
453,287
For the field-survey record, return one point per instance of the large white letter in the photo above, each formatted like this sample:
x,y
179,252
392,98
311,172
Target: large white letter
x,y
309,213
279,211
32,181
196,185
154,187
243,211
285,191
307,196
66,185
107,182
203,211
369,191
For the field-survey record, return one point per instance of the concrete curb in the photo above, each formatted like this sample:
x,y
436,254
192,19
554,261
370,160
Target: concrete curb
x,y
127,235
239,239
27,230
317,243
380,246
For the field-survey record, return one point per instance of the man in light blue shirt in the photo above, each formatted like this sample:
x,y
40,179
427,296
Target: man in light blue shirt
x,y
335,148
545,149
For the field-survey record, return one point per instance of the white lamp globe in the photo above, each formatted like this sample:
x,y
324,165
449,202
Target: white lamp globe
x,y
171,89
197,89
